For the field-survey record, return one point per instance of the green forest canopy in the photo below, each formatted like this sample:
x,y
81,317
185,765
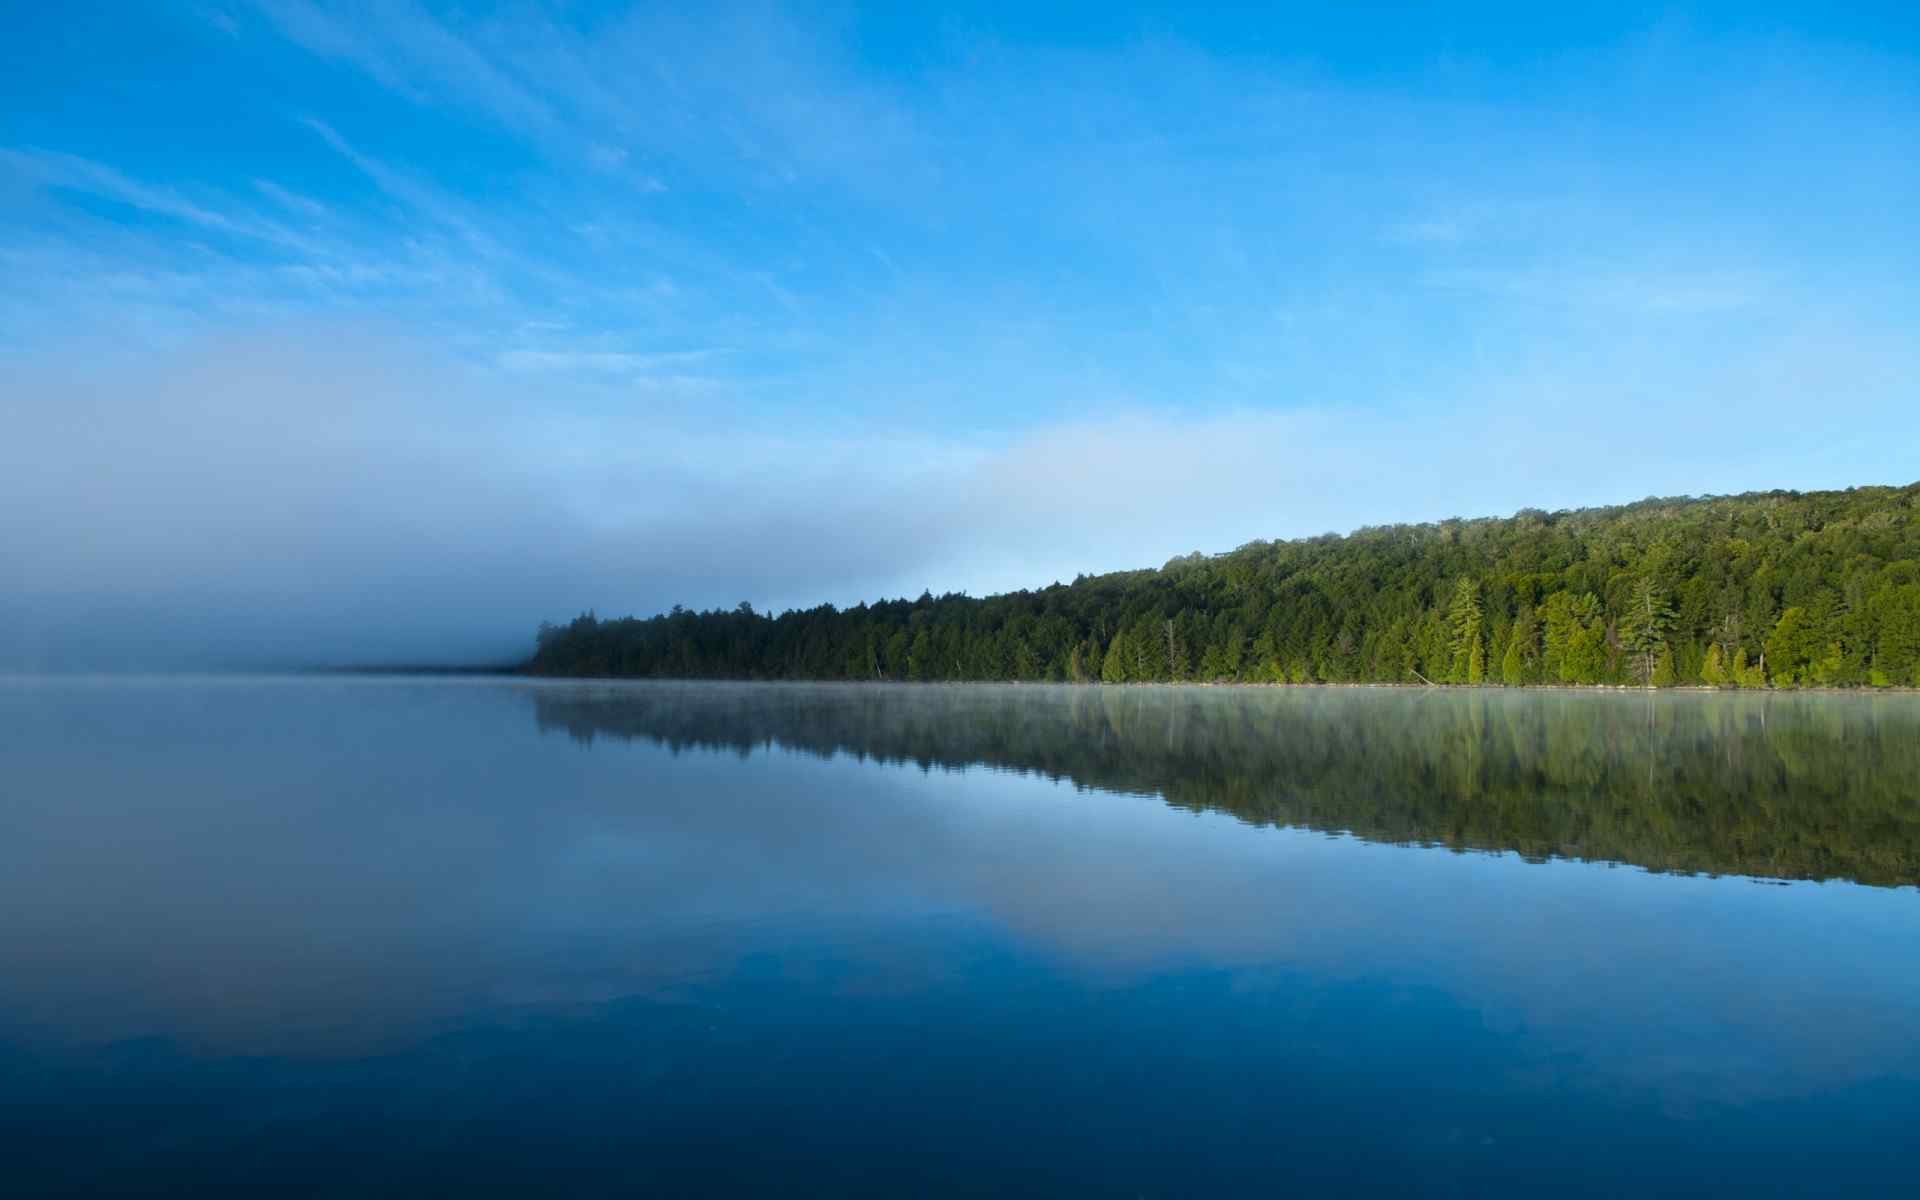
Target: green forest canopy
x,y
1766,589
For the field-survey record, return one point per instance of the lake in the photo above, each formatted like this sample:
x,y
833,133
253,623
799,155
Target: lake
x,y
348,936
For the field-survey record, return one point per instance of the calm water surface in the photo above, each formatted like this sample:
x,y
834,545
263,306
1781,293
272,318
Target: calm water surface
x,y
352,937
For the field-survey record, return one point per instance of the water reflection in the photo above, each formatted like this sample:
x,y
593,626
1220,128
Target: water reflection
x,y
1786,787
397,936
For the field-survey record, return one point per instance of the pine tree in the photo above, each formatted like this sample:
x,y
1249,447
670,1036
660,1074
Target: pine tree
x,y
1143,660
1213,662
1176,651
920,657
1831,668
1714,671
1643,629
1663,673
1792,646
1557,639
1513,664
1727,636
1463,619
1585,658
1114,668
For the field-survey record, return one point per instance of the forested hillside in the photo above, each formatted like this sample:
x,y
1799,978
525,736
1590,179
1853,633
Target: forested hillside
x,y
1775,589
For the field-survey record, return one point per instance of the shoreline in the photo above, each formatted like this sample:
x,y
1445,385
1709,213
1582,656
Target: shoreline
x,y
1694,689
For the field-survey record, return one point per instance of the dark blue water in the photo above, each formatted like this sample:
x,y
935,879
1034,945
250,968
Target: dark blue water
x,y
352,937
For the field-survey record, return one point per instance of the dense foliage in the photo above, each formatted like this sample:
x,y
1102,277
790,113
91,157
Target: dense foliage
x,y
1775,589
1780,786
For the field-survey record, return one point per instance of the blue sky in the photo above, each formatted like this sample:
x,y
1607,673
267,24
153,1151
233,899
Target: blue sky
x,y
394,328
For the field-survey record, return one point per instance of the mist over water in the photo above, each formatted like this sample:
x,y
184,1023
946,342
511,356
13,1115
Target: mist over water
x,y
952,939
1769,786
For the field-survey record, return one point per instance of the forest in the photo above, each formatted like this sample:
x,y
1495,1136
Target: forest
x,y
1762,590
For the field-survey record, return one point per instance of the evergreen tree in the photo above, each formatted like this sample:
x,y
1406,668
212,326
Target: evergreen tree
x,y
1213,663
1144,660
1663,672
1643,630
1561,628
1791,648
1513,664
1713,672
1464,618
1176,651
1585,658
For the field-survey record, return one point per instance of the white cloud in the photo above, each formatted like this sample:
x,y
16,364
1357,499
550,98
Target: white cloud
x,y
301,204
71,172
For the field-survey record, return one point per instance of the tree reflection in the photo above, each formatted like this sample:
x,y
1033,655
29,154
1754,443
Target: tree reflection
x,y
1791,787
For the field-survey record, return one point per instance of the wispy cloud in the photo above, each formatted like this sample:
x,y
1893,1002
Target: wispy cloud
x,y
424,200
303,205
72,173
405,48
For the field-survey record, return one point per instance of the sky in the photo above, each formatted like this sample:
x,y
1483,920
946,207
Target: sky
x,y
381,332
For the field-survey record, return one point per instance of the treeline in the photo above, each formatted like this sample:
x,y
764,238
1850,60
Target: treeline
x,y
1773,589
